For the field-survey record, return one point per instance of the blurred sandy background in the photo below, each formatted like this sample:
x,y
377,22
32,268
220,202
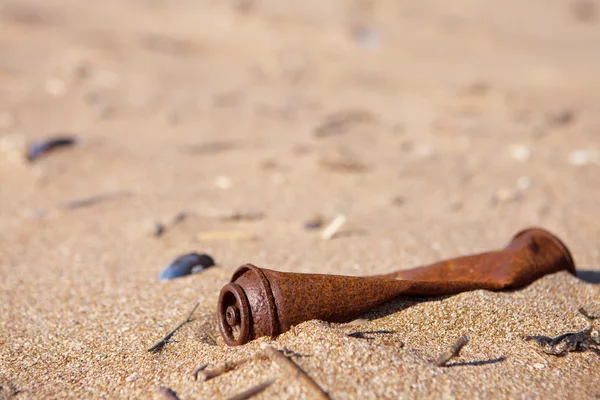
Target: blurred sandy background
x,y
440,128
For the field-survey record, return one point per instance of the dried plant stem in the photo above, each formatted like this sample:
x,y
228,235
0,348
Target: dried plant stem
x,y
156,347
289,366
452,352
294,369
333,227
253,391
209,374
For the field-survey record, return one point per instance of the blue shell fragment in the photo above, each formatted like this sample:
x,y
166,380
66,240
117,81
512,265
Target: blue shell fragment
x,y
42,147
185,265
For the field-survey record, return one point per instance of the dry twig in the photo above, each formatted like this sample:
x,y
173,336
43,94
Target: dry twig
x,y
452,352
253,391
95,199
294,369
333,227
277,357
198,370
209,374
158,346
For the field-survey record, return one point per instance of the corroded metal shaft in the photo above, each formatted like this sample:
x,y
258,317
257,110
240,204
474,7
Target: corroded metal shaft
x,y
262,302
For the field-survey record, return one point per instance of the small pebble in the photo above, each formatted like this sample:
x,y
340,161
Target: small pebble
x,y
505,195
539,366
520,152
223,182
185,265
584,157
56,87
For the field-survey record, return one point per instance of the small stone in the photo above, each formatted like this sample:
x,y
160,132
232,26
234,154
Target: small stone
x,y
505,195
56,87
560,118
584,157
539,366
520,152
223,182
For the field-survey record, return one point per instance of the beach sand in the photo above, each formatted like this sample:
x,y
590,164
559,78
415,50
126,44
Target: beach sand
x,y
438,128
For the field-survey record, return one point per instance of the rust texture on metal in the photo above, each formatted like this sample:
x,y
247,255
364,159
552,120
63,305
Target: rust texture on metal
x,y
262,302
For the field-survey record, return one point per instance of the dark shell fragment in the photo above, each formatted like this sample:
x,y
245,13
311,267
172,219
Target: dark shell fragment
x,y
38,149
185,265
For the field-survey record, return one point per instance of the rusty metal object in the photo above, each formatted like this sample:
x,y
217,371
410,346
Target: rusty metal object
x,y
262,302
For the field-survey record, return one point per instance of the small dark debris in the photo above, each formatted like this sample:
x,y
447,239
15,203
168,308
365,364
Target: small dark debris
x,y
244,6
344,165
315,222
208,147
477,363
22,13
586,339
95,199
584,11
160,345
369,334
398,201
338,123
244,216
561,118
7,389
198,370
268,165
185,265
228,99
168,393
477,89
39,148
159,228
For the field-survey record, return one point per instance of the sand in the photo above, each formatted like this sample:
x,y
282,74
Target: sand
x,y
438,128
